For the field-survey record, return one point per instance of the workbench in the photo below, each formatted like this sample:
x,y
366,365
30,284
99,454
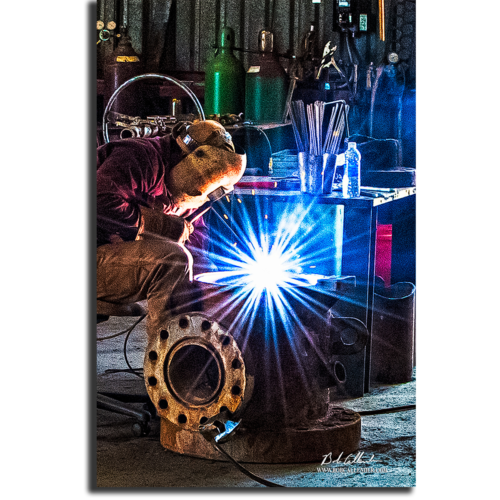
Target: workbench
x,y
359,218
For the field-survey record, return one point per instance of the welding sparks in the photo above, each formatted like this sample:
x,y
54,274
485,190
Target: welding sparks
x,y
267,257
271,270
264,253
263,289
267,271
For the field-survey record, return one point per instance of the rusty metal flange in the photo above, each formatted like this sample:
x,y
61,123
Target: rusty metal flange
x,y
194,370
338,432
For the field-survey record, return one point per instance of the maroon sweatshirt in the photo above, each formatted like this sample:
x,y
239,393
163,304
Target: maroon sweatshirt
x,y
131,173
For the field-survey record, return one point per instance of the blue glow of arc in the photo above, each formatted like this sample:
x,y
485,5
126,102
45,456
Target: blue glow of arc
x,y
265,260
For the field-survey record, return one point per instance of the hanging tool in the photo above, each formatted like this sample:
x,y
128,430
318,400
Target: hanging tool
x,y
381,20
327,59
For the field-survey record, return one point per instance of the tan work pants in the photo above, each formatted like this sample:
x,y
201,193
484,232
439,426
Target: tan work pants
x,y
156,270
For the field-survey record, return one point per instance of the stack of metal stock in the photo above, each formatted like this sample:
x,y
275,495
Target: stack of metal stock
x,y
317,151
307,124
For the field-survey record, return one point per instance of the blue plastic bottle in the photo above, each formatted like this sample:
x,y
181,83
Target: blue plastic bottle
x,y
352,172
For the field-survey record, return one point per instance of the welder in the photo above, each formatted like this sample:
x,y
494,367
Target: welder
x,y
145,189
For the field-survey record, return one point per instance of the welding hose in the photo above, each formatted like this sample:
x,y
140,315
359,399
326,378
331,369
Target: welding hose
x,y
128,331
123,86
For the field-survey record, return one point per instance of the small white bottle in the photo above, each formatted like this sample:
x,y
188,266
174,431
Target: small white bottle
x,y
351,181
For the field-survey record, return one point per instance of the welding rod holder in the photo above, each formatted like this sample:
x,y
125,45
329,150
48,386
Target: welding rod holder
x,y
215,195
199,212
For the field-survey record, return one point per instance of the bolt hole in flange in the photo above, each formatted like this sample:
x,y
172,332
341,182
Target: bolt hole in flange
x,y
152,381
183,323
163,404
225,340
153,356
194,373
206,325
235,390
182,419
236,364
164,335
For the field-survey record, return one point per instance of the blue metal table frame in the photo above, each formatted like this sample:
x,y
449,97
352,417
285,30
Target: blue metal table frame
x,y
361,215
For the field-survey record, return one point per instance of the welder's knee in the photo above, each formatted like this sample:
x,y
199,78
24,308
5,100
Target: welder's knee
x,y
173,256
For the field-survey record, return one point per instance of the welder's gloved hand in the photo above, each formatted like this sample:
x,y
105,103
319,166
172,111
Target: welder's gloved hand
x,y
155,224
188,231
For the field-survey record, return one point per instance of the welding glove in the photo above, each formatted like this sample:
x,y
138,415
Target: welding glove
x,y
155,224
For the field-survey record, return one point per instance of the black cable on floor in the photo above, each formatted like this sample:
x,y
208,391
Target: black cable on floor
x,y
270,484
128,331
387,410
132,370
240,467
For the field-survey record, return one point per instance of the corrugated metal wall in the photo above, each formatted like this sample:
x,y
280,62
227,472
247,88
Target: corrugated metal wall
x,y
178,35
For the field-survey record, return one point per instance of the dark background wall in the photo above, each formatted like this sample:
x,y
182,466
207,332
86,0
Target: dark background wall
x,y
178,35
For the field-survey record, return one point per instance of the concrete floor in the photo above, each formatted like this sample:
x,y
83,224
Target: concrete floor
x,y
126,461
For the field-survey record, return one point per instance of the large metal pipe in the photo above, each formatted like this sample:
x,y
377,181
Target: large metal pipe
x,y
268,367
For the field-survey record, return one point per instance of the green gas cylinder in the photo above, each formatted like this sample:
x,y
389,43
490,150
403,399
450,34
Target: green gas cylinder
x,y
224,79
265,84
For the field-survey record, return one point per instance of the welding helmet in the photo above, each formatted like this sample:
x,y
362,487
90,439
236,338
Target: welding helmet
x,y
190,136
207,138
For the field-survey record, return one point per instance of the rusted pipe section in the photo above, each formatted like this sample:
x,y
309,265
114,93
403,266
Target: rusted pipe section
x,y
195,370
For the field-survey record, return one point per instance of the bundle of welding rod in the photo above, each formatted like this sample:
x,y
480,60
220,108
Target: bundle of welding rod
x,y
307,124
